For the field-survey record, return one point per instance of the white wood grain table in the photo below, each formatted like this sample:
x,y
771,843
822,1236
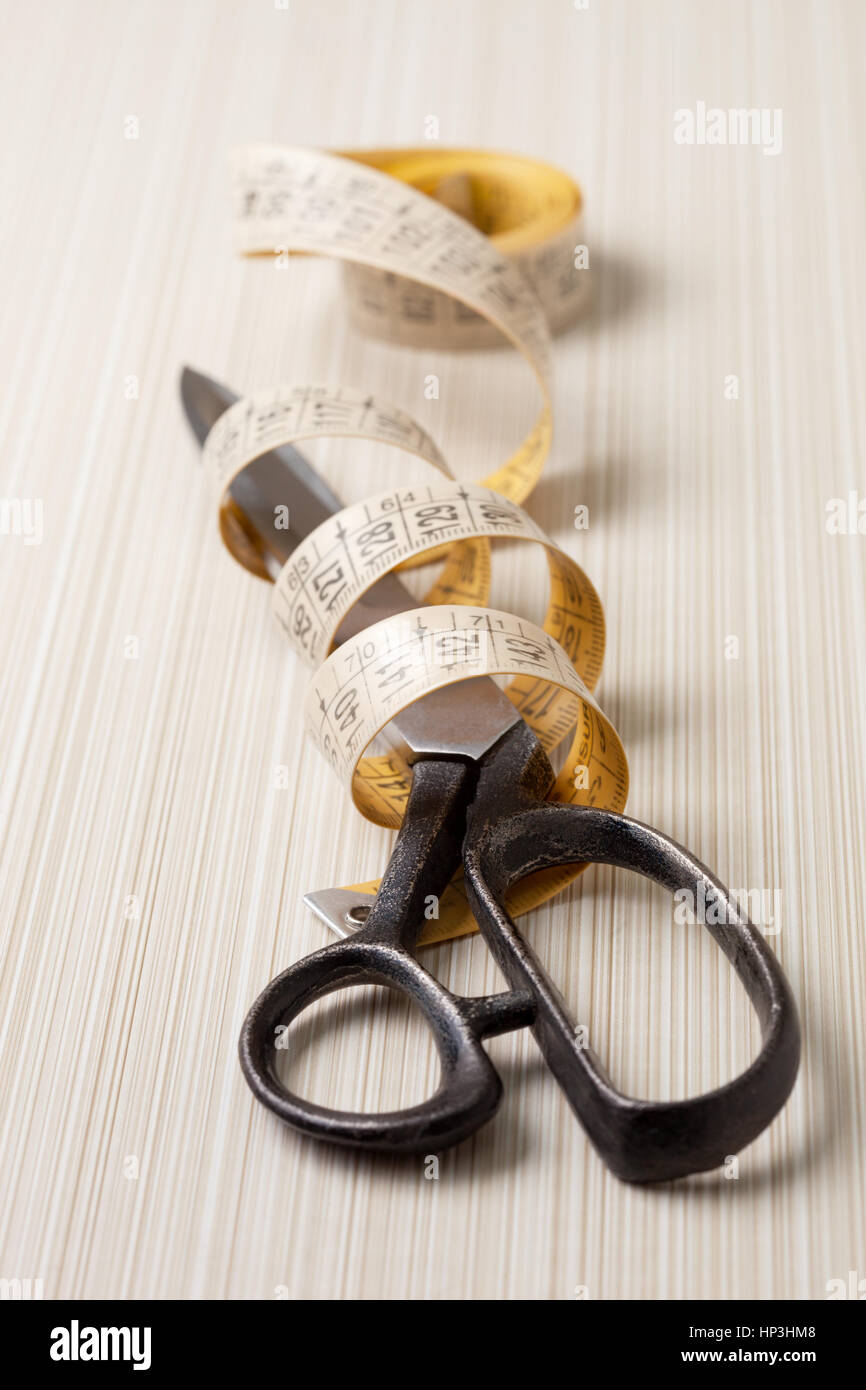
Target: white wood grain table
x,y
151,869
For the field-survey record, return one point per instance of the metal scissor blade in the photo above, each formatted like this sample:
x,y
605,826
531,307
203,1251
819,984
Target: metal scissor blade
x,y
463,720
281,478
204,401
342,909
284,478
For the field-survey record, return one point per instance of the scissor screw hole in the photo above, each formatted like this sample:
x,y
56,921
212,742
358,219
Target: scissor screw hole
x,y
357,916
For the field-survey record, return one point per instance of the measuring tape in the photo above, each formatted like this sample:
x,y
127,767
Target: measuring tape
x,y
303,200
530,212
419,272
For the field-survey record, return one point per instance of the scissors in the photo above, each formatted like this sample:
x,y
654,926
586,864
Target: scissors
x,y
478,800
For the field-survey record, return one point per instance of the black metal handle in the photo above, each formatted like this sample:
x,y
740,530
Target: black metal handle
x,y
469,1091
425,857
639,1140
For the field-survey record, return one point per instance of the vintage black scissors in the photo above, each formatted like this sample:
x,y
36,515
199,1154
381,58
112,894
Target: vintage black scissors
x,y
480,779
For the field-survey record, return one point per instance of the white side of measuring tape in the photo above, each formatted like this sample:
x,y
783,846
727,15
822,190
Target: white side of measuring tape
x,y
302,200
371,677
418,271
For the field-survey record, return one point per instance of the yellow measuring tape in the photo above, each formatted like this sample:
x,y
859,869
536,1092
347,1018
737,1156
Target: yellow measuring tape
x,y
531,213
448,248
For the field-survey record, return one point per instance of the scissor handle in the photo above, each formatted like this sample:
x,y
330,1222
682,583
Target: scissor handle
x,y
425,857
640,1140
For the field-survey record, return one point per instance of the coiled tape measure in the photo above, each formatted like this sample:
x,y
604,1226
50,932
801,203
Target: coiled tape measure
x,y
418,271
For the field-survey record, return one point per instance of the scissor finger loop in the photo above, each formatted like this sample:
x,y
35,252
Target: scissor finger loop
x,y
639,1140
425,857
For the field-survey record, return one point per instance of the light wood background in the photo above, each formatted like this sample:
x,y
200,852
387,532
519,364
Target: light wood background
x,y
150,870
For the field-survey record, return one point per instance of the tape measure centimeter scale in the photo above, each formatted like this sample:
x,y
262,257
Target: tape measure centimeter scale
x,y
411,246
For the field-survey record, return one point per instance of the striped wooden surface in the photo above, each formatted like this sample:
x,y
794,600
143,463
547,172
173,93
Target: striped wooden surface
x,y
150,868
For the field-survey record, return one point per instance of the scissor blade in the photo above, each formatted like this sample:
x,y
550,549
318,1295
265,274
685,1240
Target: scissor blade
x,y
461,720
204,401
281,478
341,909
